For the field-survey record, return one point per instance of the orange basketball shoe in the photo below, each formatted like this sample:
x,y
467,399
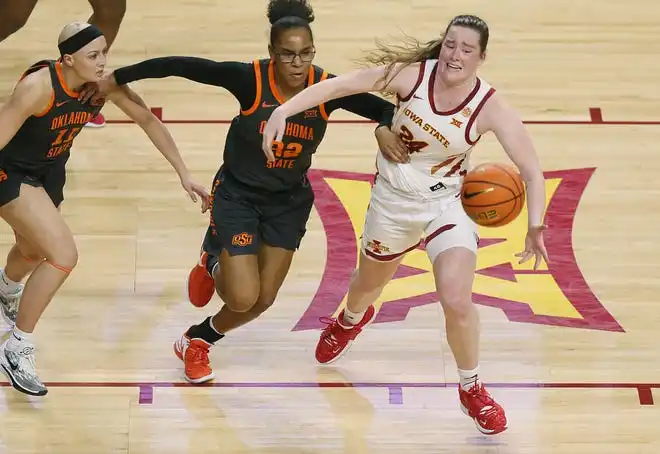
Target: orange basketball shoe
x,y
195,356
201,286
336,339
487,414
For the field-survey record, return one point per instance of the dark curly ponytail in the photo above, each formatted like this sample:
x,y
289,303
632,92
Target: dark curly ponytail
x,y
286,14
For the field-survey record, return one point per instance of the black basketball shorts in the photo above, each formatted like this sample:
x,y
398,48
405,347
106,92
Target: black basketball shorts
x,y
11,179
242,218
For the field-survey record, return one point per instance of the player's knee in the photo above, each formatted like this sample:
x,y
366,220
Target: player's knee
x,y
456,302
264,302
63,254
240,297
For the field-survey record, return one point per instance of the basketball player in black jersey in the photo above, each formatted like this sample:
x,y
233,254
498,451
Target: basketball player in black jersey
x,y
106,15
38,126
259,208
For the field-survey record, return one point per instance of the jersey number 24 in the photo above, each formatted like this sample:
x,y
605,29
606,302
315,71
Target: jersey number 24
x,y
415,146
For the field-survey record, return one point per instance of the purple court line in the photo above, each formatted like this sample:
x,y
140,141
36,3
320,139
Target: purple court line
x,y
504,385
396,395
395,389
595,118
146,394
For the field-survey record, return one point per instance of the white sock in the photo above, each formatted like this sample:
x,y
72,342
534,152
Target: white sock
x,y
17,339
7,286
468,378
353,318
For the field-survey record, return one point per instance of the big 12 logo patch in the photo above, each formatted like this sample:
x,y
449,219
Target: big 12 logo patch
x,y
555,295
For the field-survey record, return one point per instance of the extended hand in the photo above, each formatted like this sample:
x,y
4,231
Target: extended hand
x,y
274,131
391,145
98,90
534,247
194,189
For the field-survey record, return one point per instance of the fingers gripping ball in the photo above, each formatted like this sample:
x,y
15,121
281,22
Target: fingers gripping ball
x,y
493,194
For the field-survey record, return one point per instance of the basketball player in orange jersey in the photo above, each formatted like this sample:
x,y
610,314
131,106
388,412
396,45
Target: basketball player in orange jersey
x,y
259,209
106,15
443,110
38,125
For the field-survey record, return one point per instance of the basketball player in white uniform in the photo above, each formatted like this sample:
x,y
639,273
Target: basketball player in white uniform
x,y
443,110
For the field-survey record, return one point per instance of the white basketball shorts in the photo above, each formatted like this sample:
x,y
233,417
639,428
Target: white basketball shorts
x,y
396,222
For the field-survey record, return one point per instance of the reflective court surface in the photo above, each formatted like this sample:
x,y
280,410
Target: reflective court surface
x,y
569,350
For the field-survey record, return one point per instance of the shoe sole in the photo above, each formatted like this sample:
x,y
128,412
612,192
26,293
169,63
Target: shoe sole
x,y
349,344
195,381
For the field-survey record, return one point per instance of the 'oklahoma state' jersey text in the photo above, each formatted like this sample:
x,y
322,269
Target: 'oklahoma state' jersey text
x,y
45,139
243,155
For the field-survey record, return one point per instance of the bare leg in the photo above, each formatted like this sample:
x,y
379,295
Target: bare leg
x,y
454,274
368,283
274,264
34,217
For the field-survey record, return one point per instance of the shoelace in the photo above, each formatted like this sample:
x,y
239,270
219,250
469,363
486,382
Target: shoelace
x,y
488,408
199,355
27,353
330,332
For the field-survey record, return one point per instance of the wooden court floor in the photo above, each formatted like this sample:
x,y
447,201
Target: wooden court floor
x,y
571,351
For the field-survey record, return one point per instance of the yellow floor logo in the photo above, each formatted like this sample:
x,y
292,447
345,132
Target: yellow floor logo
x,y
556,296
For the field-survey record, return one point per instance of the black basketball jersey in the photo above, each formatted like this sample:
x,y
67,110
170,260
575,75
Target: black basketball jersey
x,y
45,139
243,155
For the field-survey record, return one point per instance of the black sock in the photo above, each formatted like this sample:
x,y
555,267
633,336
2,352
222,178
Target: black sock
x,y
211,261
205,331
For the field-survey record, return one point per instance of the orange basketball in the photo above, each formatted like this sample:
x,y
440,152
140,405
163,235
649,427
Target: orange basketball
x,y
493,194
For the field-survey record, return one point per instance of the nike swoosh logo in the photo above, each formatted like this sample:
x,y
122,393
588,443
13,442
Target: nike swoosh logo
x,y
469,195
14,366
60,104
265,105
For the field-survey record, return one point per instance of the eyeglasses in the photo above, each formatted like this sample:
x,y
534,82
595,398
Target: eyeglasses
x,y
289,57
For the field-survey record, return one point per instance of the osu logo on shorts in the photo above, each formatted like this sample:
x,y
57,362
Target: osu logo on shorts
x,y
241,239
3,176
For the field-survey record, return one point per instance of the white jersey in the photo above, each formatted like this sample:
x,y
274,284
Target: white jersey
x,y
439,142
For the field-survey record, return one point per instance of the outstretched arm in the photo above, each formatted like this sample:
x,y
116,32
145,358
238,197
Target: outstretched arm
x,y
510,131
360,81
236,77
201,70
133,106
